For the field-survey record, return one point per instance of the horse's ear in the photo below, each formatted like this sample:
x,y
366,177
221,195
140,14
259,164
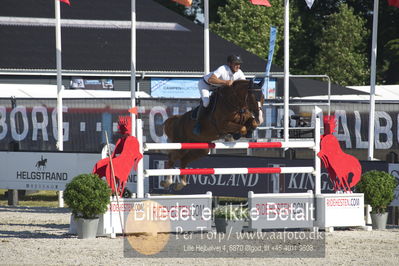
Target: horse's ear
x,y
251,83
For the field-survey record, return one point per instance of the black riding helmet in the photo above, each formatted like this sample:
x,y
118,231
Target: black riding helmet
x,y
235,59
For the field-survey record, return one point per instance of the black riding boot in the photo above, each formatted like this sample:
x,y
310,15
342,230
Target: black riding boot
x,y
200,115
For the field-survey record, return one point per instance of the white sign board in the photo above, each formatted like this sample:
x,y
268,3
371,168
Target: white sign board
x,y
48,170
340,210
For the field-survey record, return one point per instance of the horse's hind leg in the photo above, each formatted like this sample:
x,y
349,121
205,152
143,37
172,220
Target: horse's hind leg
x,y
172,158
192,155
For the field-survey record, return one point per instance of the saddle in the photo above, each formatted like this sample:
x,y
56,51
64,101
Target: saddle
x,y
210,109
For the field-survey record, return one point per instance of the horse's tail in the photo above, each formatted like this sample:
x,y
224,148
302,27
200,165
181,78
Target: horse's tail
x,y
169,127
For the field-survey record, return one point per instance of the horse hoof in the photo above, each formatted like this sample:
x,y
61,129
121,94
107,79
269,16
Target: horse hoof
x,y
236,136
126,193
228,138
166,184
249,134
178,186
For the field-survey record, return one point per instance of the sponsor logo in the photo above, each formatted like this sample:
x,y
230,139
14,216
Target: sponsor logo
x,y
41,164
343,202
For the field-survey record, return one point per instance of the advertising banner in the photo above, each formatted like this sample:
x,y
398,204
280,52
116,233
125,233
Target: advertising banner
x,y
32,123
43,171
50,170
175,88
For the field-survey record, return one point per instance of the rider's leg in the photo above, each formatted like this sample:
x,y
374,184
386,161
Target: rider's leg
x,y
201,110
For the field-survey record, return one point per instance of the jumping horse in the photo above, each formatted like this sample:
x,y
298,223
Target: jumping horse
x,y
236,110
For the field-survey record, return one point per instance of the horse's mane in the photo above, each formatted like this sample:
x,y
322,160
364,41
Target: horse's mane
x,y
236,83
240,81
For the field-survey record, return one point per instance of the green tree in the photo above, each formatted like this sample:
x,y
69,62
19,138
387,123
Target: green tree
x,y
341,48
391,55
248,26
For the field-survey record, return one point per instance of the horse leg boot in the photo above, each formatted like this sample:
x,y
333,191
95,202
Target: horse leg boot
x,y
192,155
172,157
200,116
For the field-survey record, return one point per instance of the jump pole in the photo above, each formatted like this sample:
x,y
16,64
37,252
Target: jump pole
x,y
140,165
317,130
226,171
227,145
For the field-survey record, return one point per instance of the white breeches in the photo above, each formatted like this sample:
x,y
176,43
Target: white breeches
x,y
260,113
204,92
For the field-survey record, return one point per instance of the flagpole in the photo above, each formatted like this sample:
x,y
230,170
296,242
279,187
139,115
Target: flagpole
x,y
206,37
286,69
60,140
372,81
133,65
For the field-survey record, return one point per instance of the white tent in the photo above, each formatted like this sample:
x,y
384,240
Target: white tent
x,y
382,93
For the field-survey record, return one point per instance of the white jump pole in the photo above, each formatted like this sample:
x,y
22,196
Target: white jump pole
x,y
317,130
206,38
60,138
286,69
140,165
133,65
228,171
372,82
228,145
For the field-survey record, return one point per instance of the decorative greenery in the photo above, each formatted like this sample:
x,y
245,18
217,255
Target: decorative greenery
x,y
391,66
230,212
248,26
87,196
341,48
378,188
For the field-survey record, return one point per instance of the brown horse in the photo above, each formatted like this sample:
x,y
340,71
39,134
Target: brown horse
x,y
236,111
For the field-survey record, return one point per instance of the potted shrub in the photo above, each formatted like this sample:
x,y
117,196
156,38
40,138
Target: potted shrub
x,y
378,188
87,196
230,218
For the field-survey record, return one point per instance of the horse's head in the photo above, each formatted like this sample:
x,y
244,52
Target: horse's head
x,y
256,100
248,95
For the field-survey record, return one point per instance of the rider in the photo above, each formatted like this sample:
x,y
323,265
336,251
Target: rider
x,y
223,76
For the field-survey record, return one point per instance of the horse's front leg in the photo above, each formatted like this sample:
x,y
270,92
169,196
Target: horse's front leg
x,y
168,180
250,125
236,128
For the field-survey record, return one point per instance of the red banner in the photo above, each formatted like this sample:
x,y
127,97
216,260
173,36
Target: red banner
x,y
184,2
261,2
393,3
66,2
